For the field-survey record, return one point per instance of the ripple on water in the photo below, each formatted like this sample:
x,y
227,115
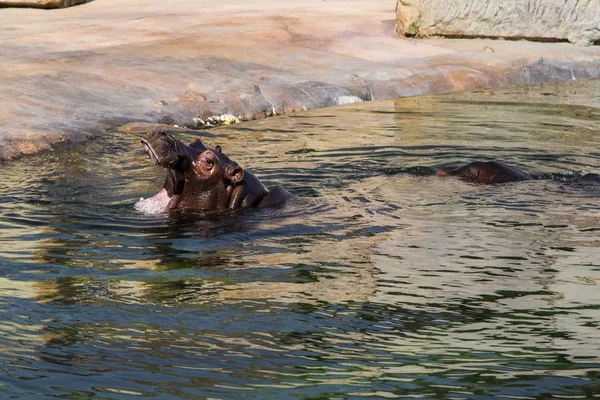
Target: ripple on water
x,y
376,280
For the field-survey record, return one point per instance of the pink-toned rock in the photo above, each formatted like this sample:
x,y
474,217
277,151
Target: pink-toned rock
x,y
40,3
83,70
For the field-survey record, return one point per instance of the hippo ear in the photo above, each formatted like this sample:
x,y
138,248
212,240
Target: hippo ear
x,y
218,149
235,174
197,144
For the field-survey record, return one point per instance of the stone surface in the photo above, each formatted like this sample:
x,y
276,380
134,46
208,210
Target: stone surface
x,y
577,21
81,71
40,3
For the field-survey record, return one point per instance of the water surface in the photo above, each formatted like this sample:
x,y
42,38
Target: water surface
x,y
377,280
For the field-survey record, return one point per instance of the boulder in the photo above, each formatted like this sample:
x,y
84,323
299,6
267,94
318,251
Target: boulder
x,y
40,3
577,21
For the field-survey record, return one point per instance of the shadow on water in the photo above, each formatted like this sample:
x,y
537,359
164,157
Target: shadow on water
x,y
376,280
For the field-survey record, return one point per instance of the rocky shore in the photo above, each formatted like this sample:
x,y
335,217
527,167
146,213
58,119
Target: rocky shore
x,y
70,73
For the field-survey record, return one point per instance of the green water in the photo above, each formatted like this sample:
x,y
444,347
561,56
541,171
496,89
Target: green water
x,y
377,280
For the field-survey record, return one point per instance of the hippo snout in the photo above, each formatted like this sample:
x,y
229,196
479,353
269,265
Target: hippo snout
x,y
163,149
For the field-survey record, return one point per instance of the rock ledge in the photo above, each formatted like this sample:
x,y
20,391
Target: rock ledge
x,y
577,21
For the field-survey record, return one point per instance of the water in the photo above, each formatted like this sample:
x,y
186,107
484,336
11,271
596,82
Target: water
x,y
377,280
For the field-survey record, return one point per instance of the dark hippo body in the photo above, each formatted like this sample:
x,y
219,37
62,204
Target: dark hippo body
x,y
487,172
202,179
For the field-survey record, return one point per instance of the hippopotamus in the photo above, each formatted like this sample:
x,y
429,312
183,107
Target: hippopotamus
x,y
487,172
202,179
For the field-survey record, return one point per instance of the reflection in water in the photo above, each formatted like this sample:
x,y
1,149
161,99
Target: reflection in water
x,y
376,280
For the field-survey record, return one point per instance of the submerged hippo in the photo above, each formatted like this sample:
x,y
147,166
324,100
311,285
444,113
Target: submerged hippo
x,y
487,172
202,179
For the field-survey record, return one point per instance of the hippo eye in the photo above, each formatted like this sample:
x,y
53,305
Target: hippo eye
x,y
208,161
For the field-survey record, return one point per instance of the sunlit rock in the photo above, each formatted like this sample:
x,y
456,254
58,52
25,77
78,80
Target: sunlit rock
x,y
545,20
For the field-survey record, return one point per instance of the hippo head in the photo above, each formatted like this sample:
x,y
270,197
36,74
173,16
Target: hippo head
x,y
198,178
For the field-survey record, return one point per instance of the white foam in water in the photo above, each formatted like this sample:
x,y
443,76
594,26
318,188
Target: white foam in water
x,y
156,204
